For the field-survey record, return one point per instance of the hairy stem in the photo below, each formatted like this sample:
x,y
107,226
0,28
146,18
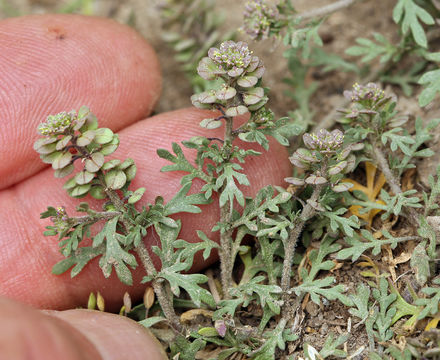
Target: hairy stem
x,y
158,286
326,10
394,183
307,212
225,253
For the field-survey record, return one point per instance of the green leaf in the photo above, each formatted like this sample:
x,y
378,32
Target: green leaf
x,y
151,321
386,311
431,80
397,141
408,13
347,225
115,256
257,207
369,49
360,301
136,196
273,339
79,258
321,287
182,202
188,250
331,345
227,181
188,282
358,247
430,304
420,263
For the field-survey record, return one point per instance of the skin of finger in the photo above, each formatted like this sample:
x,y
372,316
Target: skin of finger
x,y
26,333
115,337
53,63
26,257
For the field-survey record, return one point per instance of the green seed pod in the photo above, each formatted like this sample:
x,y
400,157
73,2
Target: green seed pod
x,y
79,190
131,172
61,144
97,192
94,163
84,177
62,160
103,136
111,164
115,179
91,303
86,138
64,171
110,147
210,123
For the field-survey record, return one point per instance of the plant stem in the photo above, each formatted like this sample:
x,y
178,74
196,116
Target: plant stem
x,y
147,262
158,287
307,212
225,252
394,183
326,10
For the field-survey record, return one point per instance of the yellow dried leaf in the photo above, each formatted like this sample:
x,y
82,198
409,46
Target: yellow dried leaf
x,y
432,324
149,297
192,314
372,190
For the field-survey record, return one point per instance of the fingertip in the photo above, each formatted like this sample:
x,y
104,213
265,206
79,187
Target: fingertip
x,y
115,337
53,63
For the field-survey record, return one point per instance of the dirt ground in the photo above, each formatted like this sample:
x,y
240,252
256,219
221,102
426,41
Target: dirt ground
x,y
340,31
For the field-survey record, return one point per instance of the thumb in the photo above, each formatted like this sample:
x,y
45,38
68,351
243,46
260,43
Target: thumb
x,y
26,333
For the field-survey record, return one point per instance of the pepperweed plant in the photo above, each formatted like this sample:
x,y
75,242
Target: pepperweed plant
x,y
277,249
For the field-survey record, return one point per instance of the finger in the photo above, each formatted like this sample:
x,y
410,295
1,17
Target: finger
x,y
26,333
53,63
26,257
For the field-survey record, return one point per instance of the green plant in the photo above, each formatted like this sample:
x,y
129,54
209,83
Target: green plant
x,y
310,227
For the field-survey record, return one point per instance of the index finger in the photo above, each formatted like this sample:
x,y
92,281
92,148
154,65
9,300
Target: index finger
x,y
53,63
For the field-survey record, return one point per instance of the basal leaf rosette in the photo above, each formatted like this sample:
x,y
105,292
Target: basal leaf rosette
x,y
239,72
67,137
324,160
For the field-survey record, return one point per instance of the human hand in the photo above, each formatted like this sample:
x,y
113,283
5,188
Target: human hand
x,y
53,63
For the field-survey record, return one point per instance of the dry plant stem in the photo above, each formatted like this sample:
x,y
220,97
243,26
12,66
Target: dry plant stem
x,y
307,212
326,10
225,252
394,183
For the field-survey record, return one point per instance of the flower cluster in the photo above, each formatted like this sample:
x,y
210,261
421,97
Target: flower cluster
x,y
232,57
68,137
371,91
324,159
324,141
366,102
259,18
57,124
239,72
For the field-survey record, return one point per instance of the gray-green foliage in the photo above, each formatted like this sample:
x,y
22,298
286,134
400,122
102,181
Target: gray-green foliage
x,y
278,220
191,28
